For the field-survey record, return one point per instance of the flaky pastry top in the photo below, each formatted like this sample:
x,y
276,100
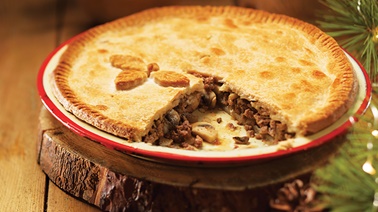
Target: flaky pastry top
x,y
290,67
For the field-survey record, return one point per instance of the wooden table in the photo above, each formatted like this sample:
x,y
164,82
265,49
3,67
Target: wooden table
x,y
29,31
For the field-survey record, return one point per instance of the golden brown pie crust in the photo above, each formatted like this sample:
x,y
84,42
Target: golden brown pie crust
x,y
290,67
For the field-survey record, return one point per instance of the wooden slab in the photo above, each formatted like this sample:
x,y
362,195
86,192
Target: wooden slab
x,y
113,181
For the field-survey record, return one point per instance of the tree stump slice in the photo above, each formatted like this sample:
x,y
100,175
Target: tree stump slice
x,y
115,181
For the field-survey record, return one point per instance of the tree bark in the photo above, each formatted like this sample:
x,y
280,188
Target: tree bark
x,y
115,181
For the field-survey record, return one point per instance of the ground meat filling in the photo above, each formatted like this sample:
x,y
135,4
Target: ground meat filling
x,y
175,129
256,120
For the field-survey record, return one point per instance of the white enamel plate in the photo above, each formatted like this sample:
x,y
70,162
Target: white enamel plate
x,y
209,155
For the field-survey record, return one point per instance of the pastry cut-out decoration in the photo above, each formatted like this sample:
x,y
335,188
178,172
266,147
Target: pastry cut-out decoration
x,y
127,62
129,79
170,79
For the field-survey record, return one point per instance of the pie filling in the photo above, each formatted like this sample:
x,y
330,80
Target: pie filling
x,y
180,128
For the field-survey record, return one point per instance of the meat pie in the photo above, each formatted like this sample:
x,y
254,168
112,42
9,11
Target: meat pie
x,y
277,76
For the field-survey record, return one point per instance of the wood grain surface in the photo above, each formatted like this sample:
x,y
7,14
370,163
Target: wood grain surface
x,y
22,183
28,33
115,181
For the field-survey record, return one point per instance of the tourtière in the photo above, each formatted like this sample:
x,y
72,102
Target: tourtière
x,y
152,77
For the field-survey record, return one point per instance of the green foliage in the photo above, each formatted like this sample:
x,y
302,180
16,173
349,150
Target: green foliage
x,y
343,184
354,24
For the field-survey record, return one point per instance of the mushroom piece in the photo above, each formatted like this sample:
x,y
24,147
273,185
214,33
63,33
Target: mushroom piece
x,y
206,131
165,142
192,102
231,98
173,117
210,99
241,140
213,99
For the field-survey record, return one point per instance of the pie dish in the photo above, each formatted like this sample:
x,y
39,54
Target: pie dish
x,y
126,77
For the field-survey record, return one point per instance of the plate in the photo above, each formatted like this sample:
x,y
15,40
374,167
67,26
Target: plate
x,y
164,154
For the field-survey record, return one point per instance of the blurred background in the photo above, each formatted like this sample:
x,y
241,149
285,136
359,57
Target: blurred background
x,y
83,14
105,10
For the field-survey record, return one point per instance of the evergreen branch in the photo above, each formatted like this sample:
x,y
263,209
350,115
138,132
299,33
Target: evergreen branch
x,y
343,184
330,25
352,23
353,43
348,32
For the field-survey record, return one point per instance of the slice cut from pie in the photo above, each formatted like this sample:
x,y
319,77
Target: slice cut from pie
x,y
143,77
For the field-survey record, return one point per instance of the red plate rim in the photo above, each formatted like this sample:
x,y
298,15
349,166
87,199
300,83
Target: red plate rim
x,y
172,157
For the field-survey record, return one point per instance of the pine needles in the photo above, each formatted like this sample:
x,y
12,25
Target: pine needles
x,y
354,24
349,181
